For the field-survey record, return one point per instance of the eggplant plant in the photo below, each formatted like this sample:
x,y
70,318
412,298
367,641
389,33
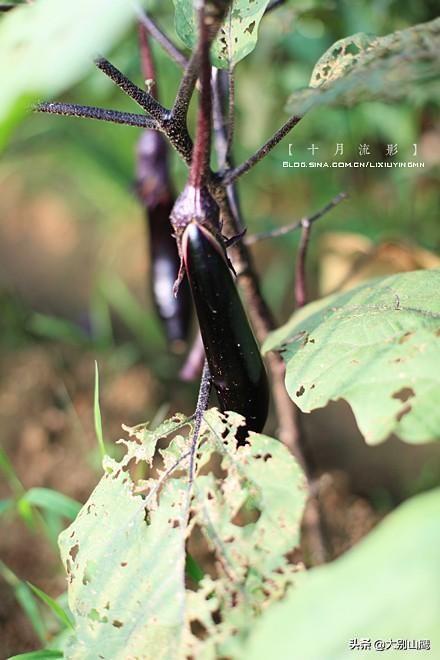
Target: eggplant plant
x,y
218,476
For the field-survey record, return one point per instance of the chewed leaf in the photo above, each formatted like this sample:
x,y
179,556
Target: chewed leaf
x,y
125,554
363,591
237,37
378,347
366,68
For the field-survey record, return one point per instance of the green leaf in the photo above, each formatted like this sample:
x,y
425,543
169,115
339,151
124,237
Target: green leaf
x,y
44,654
53,501
375,346
48,45
53,605
25,598
125,553
58,329
386,588
97,413
237,37
366,68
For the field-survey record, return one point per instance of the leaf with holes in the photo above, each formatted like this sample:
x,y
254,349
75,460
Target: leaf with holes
x,y
361,594
377,347
125,554
237,37
366,68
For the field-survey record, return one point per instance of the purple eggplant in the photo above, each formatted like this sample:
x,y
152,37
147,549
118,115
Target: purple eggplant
x,y
237,370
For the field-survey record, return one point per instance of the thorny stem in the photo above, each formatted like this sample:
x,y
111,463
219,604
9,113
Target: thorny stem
x,y
162,39
140,96
202,146
102,114
186,89
202,404
234,174
282,231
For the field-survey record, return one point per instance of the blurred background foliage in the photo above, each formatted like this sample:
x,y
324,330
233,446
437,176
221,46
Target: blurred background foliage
x,y
74,267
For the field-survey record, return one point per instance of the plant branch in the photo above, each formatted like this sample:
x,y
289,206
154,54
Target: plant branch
x,y
141,97
282,231
300,275
236,172
202,404
147,63
162,39
186,88
102,114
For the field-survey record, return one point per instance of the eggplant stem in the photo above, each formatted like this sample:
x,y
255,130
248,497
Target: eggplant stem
x,y
286,229
140,96
202,405
232,175
162,39
102,114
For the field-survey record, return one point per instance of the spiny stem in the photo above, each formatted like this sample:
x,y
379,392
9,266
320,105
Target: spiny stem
x,y
282,231
231,112
161,38
142,98
186,88
202,147
202,404
102,114
235,173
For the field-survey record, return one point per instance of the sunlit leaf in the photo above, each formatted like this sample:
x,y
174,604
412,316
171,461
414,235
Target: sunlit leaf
x,y
48,45
366,68
136,532
374,346
386,588
237,37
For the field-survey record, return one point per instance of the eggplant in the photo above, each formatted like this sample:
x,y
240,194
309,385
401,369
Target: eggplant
x,y
237,370
155,191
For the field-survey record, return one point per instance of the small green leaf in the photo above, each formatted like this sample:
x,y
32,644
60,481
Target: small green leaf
x,y
385,588
44,654
237,37
53,605
366,68
374,346
97,414
53,501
